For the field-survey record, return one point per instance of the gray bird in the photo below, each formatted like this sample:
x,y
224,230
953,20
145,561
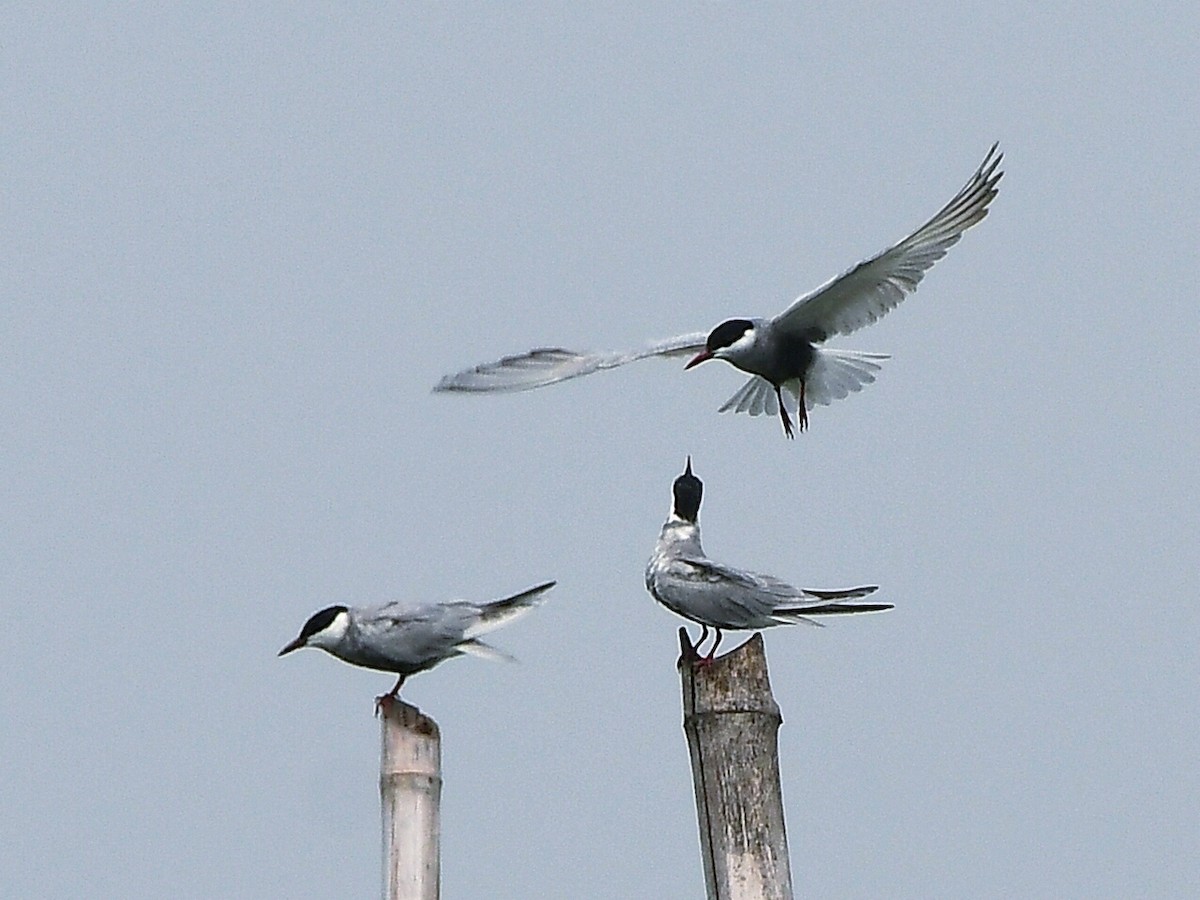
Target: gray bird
x,y
790,371
407,638
689,584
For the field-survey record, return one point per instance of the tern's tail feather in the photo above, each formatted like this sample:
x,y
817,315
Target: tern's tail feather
x,y
842,594
801,613
838,373
484,651
499,613
834,374
756,397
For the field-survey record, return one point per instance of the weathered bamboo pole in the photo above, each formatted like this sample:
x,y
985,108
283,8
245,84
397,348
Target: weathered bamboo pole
x,y
732,721
410,789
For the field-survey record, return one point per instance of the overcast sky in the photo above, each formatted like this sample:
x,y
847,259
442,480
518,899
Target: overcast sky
x,y
241,243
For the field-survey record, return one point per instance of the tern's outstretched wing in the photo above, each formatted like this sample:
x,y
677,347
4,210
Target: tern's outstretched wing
x,y
862,294
548,365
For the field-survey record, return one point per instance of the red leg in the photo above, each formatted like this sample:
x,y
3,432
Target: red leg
x,y
707,661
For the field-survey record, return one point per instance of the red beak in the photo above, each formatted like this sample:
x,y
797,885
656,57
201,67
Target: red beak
x,y
702,356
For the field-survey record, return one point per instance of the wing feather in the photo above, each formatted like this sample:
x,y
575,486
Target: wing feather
x,y
716,594
550,365
866,292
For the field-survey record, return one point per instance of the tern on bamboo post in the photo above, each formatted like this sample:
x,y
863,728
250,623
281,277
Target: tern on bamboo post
x,y
732,720
410,788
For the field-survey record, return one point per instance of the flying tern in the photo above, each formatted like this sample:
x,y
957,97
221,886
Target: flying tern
x,y
407,638
689,584
788,369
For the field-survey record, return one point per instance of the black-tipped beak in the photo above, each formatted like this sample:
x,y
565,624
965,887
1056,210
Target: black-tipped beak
x,y
688,470
294,645
702,356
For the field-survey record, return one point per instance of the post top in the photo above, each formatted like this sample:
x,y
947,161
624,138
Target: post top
x,y
397,713
736,681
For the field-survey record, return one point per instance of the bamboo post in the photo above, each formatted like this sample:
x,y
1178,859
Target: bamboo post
x,y
732,721
410,789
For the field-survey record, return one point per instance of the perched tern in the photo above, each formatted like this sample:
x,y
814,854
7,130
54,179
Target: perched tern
x,y
789,371
689,584
407,638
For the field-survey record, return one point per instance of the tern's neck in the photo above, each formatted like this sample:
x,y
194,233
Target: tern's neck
x,y
677,530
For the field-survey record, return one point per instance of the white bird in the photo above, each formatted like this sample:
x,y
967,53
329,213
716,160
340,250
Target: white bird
x,y
407,638
788,370
689,584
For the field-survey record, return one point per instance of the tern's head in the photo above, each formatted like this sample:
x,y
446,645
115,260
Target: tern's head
x,y
324,629
726,338
688,491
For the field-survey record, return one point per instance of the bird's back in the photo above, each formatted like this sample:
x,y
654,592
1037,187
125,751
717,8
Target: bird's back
x,y
407,638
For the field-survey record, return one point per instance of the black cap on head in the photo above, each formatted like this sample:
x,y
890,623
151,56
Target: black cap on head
x,y
320,621
688,491
726,333
317,622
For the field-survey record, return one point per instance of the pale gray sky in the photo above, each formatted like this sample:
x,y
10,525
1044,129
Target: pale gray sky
x,y
240,247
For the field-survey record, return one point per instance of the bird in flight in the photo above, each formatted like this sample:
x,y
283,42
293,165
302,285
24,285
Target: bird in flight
x,y
689,584
789,370
406,638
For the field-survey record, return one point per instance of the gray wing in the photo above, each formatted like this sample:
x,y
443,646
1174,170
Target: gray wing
x,y
418,636
549,365
725,597
864,293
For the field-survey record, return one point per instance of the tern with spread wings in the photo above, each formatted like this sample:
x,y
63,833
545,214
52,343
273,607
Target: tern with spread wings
x,y
789,371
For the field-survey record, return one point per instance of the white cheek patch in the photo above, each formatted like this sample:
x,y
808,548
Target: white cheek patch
x,y
746,340
332,633
742,344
